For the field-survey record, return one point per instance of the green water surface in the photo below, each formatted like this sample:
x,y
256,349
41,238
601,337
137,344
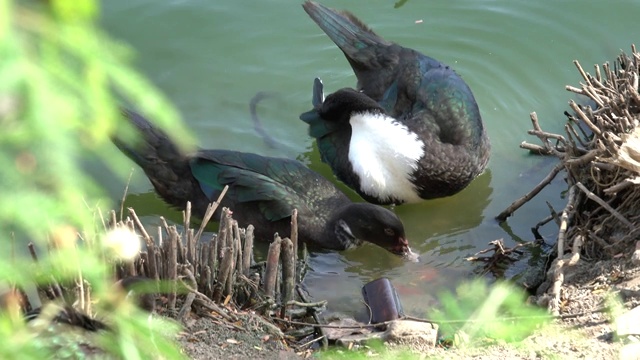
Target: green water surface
x,y
212,57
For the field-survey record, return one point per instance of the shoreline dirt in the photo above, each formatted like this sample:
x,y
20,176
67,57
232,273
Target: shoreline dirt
x,y
591,335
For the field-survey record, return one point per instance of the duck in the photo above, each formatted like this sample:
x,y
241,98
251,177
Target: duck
x,y
410,131
262,191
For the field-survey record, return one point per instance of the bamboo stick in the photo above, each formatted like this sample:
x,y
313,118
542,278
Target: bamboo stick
x,y
225,248
247,255
213,254
237,249
288,273
208,287
271,273
294,241
172,263
148,240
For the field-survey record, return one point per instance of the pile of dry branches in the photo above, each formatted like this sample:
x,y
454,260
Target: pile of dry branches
x,y
600,154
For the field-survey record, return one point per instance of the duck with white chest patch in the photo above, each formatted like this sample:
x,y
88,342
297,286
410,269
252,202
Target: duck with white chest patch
x,y
368,150
413,131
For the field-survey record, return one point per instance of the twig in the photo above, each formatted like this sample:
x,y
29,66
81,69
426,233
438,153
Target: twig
x,y
124,194
211,209
606,206
316,318
536,149
584,118
564,220
317,304
184,311
582,72
557,267
321,337
205,302
113,220
518,203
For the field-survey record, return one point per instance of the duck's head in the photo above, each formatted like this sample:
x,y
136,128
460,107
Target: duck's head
x,y
346,102
340,105
375,224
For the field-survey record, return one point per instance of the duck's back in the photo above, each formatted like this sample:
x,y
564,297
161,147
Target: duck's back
x,y
265,190
440,106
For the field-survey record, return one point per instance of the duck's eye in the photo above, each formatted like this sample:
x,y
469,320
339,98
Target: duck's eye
x,y
389,232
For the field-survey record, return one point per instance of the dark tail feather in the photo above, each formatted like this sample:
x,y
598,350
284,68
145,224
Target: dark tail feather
x,y
347,31
150,145
163,163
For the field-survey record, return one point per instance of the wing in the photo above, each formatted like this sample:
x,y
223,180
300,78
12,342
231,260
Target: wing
x,y
271,183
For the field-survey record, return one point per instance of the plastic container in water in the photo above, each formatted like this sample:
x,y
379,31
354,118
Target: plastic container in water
x,y
383,301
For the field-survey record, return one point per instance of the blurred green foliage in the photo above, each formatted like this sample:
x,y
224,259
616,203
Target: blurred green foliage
x,y
481,311
476,314
62,80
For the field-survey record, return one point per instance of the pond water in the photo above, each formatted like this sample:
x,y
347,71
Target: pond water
x,y
211,57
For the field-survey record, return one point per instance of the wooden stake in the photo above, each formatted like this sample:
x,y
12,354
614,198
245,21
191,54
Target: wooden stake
x,y
237,250
247,254
150,244
271,273
172,263
226,255
288,273
294,241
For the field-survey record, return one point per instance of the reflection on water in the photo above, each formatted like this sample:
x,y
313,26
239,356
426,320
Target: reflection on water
x,y
212,57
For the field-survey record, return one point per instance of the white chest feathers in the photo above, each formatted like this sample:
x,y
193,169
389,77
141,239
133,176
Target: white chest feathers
x,y
384,154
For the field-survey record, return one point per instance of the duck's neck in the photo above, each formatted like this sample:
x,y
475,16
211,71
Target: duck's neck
x,y
380,149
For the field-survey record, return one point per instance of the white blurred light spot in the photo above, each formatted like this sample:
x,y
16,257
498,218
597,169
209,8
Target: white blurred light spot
x,y
123,242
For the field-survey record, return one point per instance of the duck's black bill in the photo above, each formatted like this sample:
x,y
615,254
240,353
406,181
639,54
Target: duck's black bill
x,y
310,116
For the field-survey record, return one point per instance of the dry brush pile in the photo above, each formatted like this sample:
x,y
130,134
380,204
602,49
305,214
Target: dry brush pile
x,y
599,153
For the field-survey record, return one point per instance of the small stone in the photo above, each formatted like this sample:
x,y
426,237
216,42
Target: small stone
x,y
630,352
349,327
398,331
401,330
635,257
629,323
